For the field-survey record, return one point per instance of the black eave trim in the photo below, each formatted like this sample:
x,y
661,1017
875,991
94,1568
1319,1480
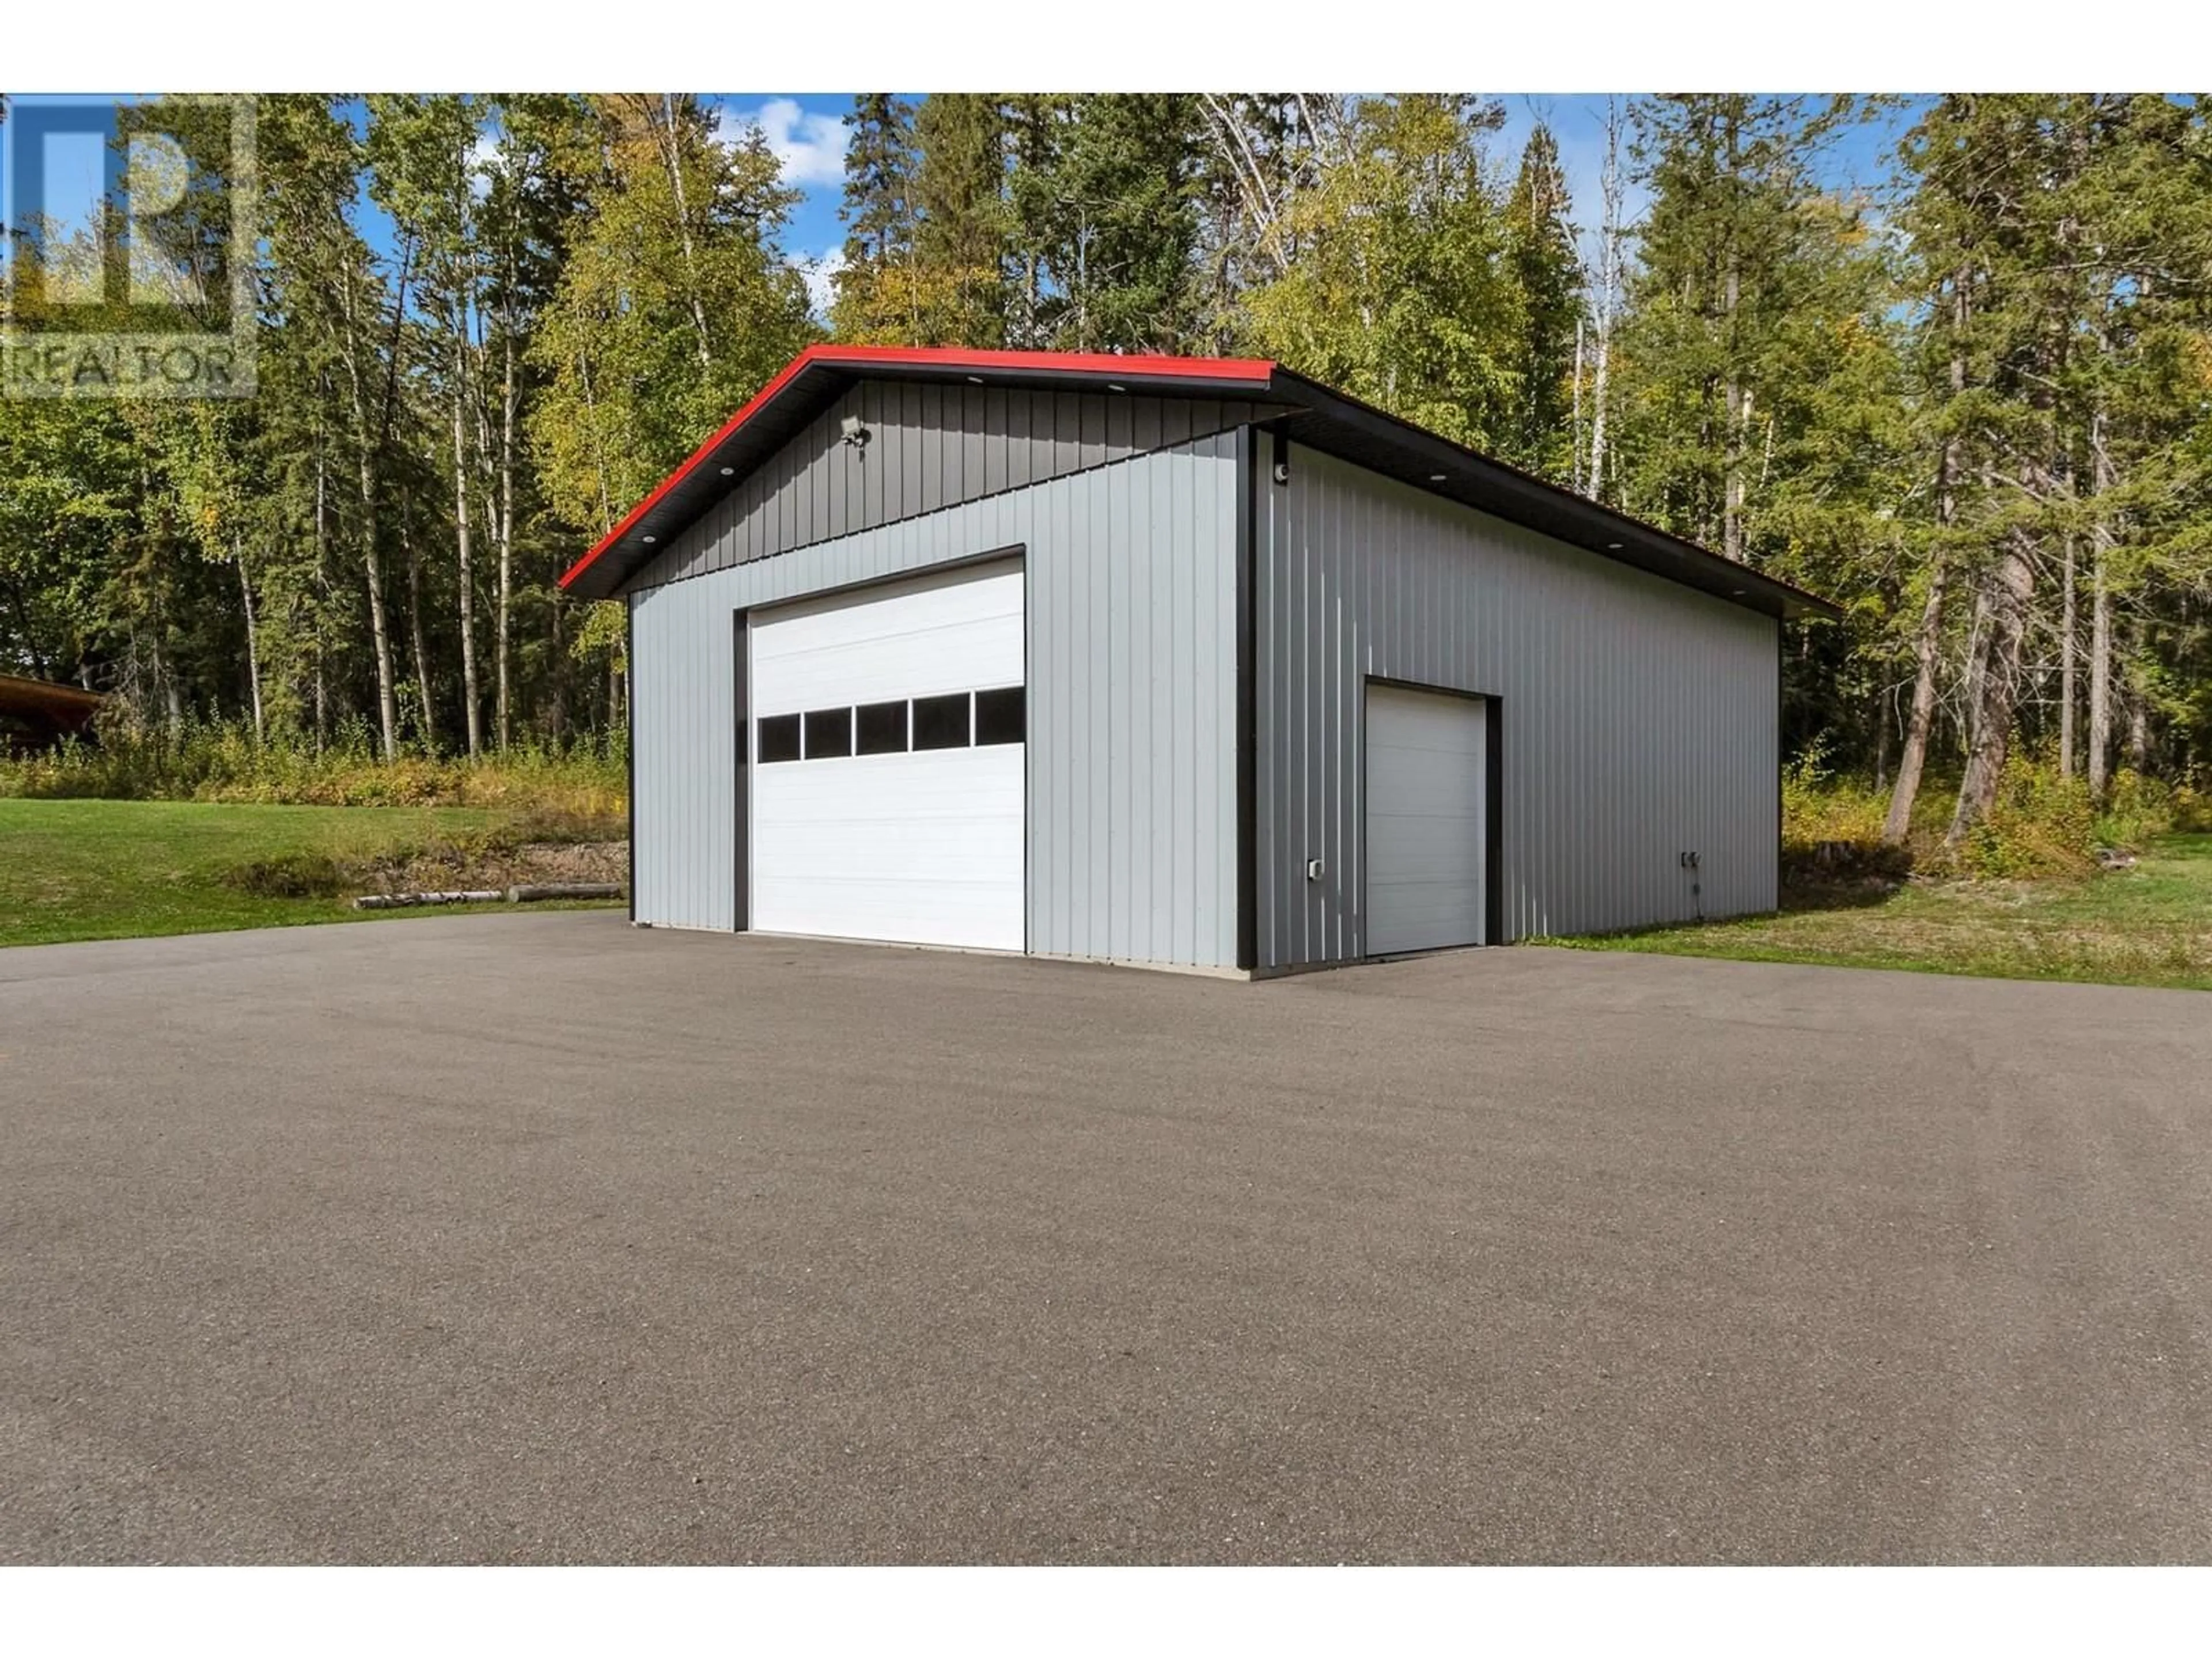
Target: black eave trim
x,y
741,821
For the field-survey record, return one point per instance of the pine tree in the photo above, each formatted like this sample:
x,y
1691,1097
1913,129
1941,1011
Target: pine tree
x,y
2141,222
1547,272
1037,134
1123,212
875,300
1722,262
346,320
420,151
529,208
2060,358
960,233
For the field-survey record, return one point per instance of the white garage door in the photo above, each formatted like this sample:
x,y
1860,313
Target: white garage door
x,y
888,776
1425,770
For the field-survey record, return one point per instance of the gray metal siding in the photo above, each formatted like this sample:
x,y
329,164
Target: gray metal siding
x,y
930,447
1132,705
1639,719
683,729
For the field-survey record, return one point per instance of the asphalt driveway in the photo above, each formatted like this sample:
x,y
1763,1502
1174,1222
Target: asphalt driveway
x,y
535,1238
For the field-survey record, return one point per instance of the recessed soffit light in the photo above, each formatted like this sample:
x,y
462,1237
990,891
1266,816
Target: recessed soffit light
x,y
729,471
1436,478
1612,547
647,540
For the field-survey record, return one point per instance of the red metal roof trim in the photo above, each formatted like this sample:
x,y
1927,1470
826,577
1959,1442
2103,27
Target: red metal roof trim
x,y
1255,372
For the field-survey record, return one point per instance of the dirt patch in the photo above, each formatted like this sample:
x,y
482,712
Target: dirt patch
x,y
443,869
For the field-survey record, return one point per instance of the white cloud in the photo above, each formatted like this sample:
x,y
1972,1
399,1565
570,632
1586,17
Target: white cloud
x,y
820,271
809,146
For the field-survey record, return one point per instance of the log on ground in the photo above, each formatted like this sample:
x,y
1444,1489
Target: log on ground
x,y
404,900
564,890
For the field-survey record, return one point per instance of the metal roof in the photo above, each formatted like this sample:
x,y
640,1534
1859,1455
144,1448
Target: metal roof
x,y
1317,415
68,705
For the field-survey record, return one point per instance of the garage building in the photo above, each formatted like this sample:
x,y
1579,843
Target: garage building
x,y
1181,661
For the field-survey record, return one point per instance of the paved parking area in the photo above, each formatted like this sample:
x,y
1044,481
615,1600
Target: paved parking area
x,y
538,1238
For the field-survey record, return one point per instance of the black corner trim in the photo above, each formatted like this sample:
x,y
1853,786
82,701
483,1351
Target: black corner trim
x,y
1494,823
741,816
1781,711
1247,710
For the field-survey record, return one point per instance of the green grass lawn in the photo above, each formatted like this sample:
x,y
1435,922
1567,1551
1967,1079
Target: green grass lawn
x,y
2148,926
100,869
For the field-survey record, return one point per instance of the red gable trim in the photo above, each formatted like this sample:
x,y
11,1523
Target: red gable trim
x,y
1255,372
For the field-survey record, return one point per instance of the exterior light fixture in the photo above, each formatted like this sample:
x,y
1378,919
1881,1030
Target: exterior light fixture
x,y
647,540
1436,478
1112,387
975,379
855,432
729,471
1612,547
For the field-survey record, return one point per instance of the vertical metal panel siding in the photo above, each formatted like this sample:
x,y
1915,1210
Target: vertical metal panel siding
x,y
1640,717
931,446
1132,606
681,687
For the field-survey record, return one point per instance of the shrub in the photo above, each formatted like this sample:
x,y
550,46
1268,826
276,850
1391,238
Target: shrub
x,y
2134,809
1817,808
585,780
2043,825
1831,827
2189,809
2040,824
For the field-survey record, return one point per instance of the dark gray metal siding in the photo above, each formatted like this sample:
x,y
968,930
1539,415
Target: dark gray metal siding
x,y
1131,600
1639,719
930,447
